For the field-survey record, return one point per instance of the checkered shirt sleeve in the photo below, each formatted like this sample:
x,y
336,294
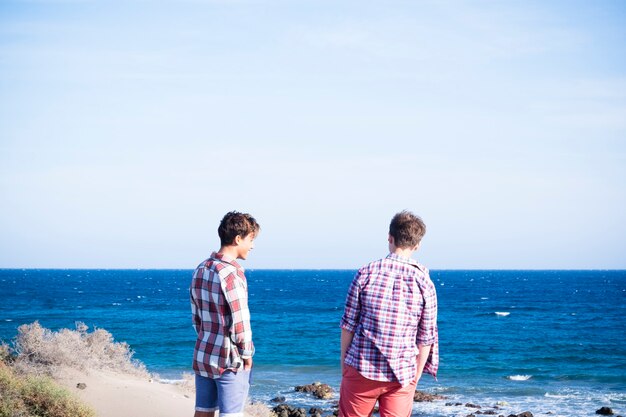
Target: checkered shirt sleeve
x,y
235,291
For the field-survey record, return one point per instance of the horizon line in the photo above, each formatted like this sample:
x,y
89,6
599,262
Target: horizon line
x,y
304,269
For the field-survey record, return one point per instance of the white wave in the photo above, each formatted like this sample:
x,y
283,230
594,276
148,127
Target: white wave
x,y
561,396
484,298
171,381
502,313
519,377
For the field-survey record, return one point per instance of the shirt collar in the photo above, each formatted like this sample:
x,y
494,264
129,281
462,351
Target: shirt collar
x,y
227,259
402,259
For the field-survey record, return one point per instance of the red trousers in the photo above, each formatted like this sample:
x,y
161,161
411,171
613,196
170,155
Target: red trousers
x,y
358,396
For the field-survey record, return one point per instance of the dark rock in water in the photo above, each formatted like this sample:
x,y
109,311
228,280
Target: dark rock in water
x,y
487,412
451,404
470,405
279,399
81,385
285,410
319,390
525,414
315,410
420,397
605,411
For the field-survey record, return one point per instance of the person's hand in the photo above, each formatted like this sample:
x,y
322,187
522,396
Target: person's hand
x,y
247,364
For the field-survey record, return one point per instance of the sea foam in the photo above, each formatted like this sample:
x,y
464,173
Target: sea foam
x,y
502,313
519,377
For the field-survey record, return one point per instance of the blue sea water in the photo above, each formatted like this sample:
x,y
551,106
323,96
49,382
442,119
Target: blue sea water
x,y
543,341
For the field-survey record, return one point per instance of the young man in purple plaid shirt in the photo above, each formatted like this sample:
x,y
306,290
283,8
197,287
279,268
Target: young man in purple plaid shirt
x,y
219,305
389,328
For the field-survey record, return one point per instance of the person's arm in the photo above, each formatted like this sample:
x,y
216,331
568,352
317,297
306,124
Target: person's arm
x,y
350,318
195,311
346,341
195,316
427,328
236,295
421,359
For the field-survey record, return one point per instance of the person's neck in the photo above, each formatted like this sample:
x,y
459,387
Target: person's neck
x,y
403,252
230,251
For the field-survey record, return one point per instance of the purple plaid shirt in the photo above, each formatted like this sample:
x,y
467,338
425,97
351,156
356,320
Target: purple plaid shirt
x,y
391,308
219,307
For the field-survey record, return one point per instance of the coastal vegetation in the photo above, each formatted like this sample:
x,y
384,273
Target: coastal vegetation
x,y
40,351
38,355
24,395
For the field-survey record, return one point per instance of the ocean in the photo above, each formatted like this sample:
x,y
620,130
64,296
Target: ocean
x,y
540,341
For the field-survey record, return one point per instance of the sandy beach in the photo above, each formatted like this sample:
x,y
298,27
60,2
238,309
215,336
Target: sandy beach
x,y
113,394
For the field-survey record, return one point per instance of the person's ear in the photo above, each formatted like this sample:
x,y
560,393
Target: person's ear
x,y
238,240
390,239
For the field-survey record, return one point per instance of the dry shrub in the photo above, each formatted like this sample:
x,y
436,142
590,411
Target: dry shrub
x,y
40,350
29,396
5,353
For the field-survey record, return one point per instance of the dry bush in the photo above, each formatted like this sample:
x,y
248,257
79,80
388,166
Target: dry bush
x,y
27,396
5,353
40,350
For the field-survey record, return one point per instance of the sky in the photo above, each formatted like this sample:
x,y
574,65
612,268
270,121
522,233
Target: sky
x,y
129,128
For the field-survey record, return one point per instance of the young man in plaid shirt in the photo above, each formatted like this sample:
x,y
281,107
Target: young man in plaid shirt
x,y
219,305
389,328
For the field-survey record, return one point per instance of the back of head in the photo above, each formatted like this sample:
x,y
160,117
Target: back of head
x,y
407,229
236,224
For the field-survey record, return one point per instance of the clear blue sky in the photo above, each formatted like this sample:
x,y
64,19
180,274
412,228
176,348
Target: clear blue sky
x,y
128,128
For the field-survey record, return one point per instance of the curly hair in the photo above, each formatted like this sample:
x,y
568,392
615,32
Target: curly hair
x,y
236,224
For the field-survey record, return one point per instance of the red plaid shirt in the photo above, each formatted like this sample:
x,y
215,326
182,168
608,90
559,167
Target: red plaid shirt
x,y
391,308
219,306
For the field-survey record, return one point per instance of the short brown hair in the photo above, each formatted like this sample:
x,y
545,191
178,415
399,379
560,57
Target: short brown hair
x,y
236,224
407,229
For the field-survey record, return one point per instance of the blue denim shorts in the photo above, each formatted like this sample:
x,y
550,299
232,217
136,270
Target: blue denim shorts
x,y
228,393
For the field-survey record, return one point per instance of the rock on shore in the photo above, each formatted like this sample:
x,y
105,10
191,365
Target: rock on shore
x,y
319,390
420,397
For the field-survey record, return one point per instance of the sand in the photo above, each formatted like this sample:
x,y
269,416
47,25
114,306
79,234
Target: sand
x,y
120,395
